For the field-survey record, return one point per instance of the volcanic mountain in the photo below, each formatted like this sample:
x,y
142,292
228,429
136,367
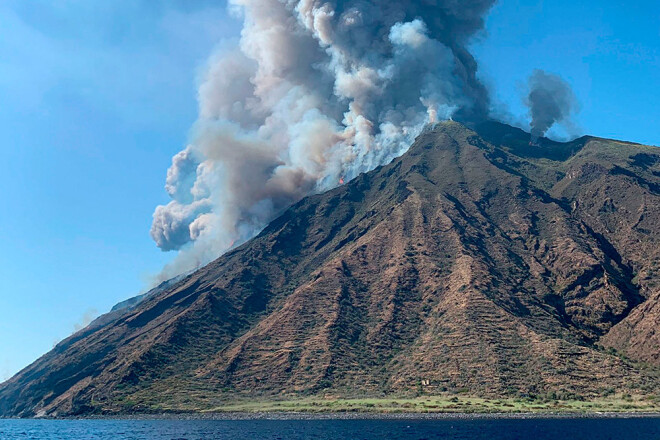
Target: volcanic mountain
x,y
475,262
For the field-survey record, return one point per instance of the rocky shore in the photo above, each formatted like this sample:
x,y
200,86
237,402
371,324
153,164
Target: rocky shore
x,y
369,416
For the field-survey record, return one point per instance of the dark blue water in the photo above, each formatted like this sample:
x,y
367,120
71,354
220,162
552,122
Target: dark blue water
x,y
534,429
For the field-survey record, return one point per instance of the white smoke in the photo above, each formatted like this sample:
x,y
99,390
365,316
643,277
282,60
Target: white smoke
x,y
5,370
317,91
85,319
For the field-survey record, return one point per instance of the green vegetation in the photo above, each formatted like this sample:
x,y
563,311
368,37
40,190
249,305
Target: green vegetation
x,y
447,404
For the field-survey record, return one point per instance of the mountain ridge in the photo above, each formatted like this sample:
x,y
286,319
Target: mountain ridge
x,y
474,262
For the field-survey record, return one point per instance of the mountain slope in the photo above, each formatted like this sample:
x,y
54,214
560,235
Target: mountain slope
x,y
475,262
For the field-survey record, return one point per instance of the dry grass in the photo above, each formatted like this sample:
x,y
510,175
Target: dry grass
x,y
447,404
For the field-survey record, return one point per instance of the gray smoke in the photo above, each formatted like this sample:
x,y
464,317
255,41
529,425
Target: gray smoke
x,y
550,100
86,319
5,370
317,92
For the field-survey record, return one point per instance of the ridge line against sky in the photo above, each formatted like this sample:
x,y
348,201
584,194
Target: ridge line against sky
x,y
98,96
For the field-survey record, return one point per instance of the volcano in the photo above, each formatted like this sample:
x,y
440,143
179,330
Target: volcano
x,y
475,262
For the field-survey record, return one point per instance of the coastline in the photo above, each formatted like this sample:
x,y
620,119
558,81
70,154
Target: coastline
x,y
284,416
421,407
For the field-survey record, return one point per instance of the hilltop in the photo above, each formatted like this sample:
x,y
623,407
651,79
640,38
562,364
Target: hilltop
x,y
474,264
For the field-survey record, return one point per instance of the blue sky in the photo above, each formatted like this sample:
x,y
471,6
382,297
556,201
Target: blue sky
x,y
96,96
608,51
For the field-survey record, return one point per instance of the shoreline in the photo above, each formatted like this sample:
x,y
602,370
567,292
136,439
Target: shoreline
x,y
302,416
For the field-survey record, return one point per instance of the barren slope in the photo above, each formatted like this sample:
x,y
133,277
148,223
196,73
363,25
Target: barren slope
x,y
474,262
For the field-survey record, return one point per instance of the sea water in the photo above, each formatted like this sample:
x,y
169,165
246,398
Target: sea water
x,y
409,429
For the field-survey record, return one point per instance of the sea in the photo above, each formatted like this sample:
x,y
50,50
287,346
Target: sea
x,y
408,429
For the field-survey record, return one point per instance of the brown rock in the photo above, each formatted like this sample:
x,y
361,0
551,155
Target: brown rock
x,y
474,262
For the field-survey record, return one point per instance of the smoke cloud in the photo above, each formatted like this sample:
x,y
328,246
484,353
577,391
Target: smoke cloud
x,y
550,100
5,370
85,319
317,92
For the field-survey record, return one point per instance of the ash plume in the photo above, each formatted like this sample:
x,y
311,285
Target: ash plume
x,y
316,92
550,100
